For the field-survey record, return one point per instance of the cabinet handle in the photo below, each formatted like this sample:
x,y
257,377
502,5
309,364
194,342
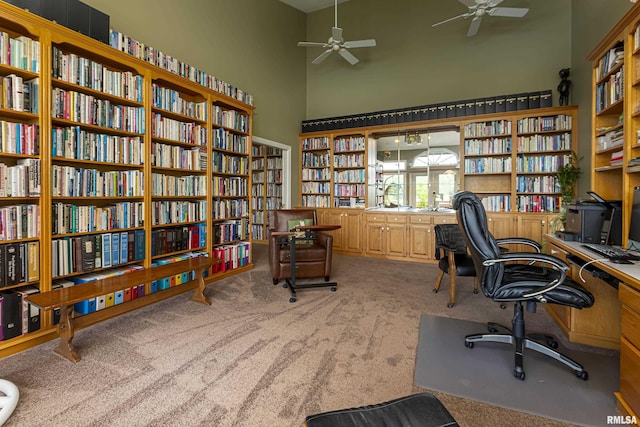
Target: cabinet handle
x,y
382,228
387,228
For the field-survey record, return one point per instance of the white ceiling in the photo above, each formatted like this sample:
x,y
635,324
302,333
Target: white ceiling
x,y
308,6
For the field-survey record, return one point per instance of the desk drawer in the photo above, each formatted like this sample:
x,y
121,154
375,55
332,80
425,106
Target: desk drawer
x,y
630,375
631,325
629,297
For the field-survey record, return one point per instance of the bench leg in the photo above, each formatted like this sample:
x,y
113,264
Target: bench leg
x,y
198,294
65,329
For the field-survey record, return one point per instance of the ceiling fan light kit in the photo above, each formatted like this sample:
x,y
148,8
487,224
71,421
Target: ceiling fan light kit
x,y
480,8
337,44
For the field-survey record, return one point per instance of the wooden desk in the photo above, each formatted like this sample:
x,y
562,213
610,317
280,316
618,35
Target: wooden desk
x,y
618,309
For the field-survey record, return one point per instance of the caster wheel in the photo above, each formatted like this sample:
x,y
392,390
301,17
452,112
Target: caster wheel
x,y
276,281
434,290
284,285
503,305
450,305
468,344
475,291
519,374
552,343
292,299
333,289
492,329
583,375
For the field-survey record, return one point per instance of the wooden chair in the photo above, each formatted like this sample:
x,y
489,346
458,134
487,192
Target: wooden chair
x,y
454,259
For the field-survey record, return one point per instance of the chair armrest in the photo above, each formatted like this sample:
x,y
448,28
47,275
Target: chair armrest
x,y
520,240
560,265
322,239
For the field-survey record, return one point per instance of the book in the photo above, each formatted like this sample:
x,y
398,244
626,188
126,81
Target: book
x,y
33,261
124,247
11,314
139,245
97,250
88,255
30,312
106,250
115,249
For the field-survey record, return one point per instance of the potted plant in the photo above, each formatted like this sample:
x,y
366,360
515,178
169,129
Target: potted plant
x,y
567,177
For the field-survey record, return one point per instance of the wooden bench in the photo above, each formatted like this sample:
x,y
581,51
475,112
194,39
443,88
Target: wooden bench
x,y
65,298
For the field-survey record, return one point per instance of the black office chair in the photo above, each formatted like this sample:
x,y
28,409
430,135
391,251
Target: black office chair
x,y
541,278
453,259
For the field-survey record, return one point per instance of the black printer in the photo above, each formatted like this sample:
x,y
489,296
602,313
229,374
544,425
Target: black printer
x,y
594,221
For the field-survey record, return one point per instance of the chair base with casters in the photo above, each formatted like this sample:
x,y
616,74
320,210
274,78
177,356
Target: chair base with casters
x,y
9,396
521,341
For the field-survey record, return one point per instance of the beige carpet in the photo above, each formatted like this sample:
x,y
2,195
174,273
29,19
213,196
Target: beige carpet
x,y
252,358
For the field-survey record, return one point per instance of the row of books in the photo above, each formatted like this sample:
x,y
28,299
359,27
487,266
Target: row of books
x,y
350,175
186,185
81,254
19,222
230,186
84,72
348,190
315,160
171,100
487,146
557,142
311,187
178,157
176,239
230,208
537,164
19,95
20,52
225,140
462,108
490,128
317,143
544,124
610,91
21,179
81,182
487,165
73,142
19,138
231,119
84,108
497,203
231,256
312,174
226,163
537,184
19,263
610,60
230,231
69,218
153,56
610,139
179,131
17,315
316,200
349,143
537,203
348,160
177,211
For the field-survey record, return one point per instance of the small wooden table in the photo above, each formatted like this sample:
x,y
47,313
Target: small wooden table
x,y
291,238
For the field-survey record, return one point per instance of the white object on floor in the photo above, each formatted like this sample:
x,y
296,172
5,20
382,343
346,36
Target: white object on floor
x,y
9,395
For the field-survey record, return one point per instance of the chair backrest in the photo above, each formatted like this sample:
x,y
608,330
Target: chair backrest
x,y
449,236
282,217
472,220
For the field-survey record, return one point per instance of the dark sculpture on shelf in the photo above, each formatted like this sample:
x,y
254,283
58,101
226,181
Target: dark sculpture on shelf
x,y
564,86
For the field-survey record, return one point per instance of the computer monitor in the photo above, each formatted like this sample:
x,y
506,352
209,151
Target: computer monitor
x,y
634,226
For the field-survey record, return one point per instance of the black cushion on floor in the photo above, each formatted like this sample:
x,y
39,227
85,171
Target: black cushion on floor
x,y
418,410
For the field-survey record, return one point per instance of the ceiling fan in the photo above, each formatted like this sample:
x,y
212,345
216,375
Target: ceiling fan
x,y
337,44
480,8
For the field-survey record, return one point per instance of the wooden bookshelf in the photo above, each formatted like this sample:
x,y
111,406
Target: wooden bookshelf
x,y
117,147
266,187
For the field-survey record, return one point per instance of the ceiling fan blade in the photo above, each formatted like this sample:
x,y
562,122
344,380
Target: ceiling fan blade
x,y
336,34
468,3
322,56
360,43
474,26
312,44
494,3
464,15
348,56
512,12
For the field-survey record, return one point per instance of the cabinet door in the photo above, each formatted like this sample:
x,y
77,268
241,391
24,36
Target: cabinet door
x,y
352,231
533,227
396,239
374,243
333,217
501,225
421,245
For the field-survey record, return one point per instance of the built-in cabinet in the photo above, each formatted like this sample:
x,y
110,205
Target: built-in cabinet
x,y
348,238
